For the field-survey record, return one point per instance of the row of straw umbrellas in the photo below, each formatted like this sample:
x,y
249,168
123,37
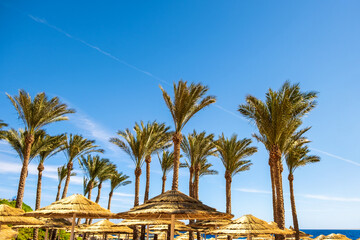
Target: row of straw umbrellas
x,y
159,212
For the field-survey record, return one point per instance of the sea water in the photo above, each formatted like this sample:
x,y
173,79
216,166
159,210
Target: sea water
x,y
353,234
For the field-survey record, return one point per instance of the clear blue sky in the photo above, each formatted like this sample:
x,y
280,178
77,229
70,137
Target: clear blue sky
x,y
106,60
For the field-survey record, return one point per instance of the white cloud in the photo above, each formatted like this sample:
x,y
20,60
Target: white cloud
x,y
123,194
251,190
330,198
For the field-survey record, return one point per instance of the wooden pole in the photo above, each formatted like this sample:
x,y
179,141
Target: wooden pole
x,y
73,227
46,234
172,227
147,232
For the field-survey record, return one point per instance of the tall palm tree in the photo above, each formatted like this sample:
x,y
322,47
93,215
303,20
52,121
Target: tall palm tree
x,y
278,119
108,171
55,143
232,153
197,147
297,157
167,163
118,179
62,172
158,138
136,147
187,101
35,114
92,166
74,147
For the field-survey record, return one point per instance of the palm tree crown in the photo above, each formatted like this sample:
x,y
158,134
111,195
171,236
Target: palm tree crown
x,y
233,152
299,157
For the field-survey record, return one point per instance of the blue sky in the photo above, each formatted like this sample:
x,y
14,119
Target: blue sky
x,y
106,60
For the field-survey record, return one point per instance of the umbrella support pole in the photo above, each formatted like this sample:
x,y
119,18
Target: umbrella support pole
x,y
172,227
147,232
73,227
46,234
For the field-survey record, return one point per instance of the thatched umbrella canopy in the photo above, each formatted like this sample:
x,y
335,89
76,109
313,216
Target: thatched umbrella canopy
x,y
7,233
290,232
248,225
150,222
335,236
320,237
105,226
55,223
209,224
15,216
173,205
177,227
72,207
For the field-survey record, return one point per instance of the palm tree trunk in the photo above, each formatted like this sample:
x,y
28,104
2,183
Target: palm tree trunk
x,y
163,183
109,202
29,139
38,195
196,182
136,200
99,193
147,186
228,181
273,190
177,138
293,207
275,160
58,191
191,184
67,180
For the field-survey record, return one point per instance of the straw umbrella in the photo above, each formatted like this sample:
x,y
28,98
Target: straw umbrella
x,y
7,233
72,207
105,227
336,236
15,216
320,237
248,225
173,205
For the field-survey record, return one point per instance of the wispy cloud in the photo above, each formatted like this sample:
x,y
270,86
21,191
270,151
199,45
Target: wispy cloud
x,y
123,194
46,23
251,190
337,157
331,198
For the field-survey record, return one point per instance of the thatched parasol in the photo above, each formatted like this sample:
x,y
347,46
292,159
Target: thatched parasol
x,y
209,224
320,237
150,222
55,223
7,233
335,236
248,225
173,205
177,227
105,226
15,216
72,207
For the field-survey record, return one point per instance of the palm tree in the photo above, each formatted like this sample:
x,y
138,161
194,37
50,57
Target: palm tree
x,y
136,147
118,179
62,172
188,100
35,114
167,163
74,147
197,148
158,138
92,166
297,157
108,171
232,153
55,143
277,119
